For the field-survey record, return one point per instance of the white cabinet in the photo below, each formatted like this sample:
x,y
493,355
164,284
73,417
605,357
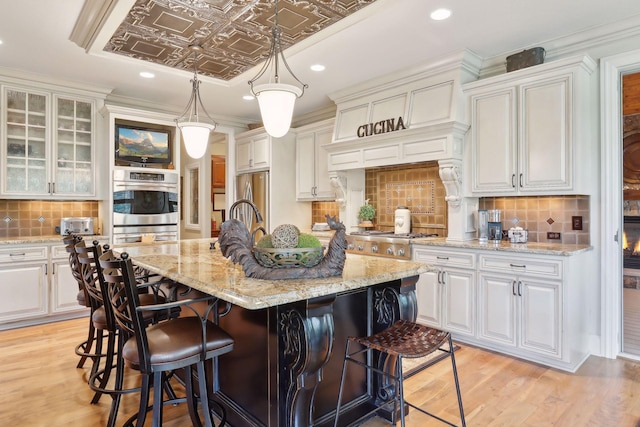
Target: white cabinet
x,y
532,130
48,144
312,170
36,285
519,311
446,295
24,288
253,152
520,304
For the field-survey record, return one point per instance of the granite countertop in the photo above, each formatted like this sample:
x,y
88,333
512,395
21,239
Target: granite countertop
x,y
54,238
505,246
194,264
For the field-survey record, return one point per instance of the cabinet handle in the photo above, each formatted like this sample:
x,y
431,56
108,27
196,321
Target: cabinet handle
x,y
18,254
519,288
520,180
46,270
444,258
513,180
49,187
518,265
250,163
53,188
444,277
513,288
439,277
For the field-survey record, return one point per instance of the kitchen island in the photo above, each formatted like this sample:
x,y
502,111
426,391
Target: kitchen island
x,y
290,334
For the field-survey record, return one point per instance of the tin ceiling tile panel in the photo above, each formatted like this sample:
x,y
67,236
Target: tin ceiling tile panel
x,y
235,34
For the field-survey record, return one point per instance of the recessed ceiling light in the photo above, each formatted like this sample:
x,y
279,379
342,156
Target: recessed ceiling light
x,y
147,74
0,41
440,14
317,67
248,97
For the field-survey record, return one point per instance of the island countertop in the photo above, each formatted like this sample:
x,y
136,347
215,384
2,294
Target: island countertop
x,y
193,263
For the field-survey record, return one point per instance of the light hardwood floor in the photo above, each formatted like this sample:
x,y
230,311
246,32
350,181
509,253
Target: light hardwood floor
x,y
42,387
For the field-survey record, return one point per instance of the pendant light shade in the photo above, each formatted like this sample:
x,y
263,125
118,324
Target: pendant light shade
x,y
196,137
195,129
276,106
276,99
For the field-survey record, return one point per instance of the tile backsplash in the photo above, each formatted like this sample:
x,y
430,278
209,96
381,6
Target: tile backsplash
x,y
416,186
541,214
32,218
320,209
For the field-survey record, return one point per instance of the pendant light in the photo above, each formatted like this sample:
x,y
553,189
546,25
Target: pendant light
x,y
276,100
195,131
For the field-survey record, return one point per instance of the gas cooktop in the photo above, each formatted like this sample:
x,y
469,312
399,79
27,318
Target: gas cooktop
x,y
382,233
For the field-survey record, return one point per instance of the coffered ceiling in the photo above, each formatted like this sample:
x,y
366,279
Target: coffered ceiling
x,y
235,35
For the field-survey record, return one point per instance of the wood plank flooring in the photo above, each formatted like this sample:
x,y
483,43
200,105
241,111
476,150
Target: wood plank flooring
x,y
42,387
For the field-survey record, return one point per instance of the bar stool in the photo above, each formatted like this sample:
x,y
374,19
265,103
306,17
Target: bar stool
x,y
84,348
160,349
104,322
400,340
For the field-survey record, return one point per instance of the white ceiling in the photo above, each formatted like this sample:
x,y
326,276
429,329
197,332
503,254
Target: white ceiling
x,y
386,36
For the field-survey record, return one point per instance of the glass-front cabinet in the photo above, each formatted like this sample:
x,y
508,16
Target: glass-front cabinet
x,y
47,144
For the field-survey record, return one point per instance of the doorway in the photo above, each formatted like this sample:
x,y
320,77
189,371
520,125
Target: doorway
x,y
612,69
631,212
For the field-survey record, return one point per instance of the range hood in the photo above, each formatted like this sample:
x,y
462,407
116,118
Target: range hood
x,y
416,115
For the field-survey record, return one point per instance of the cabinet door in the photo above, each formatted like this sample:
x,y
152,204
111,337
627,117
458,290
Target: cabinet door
x,y
64,288
493,141
25,145
74,149
497,309
541,320
459,297
243,155
218,171
324,190
23,291
429,297
305,159
262,152
545,135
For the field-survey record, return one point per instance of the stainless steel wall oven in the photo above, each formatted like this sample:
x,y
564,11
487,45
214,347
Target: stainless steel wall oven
x,y
145,203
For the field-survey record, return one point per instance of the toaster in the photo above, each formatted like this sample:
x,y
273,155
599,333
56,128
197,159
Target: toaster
x,y
77,225
518,235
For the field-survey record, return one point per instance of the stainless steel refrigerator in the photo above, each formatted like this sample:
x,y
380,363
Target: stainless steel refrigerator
x,y
253,187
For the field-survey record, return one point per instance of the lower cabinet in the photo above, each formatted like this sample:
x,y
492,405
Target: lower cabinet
x,y
36,285
521,312
446,295
537,307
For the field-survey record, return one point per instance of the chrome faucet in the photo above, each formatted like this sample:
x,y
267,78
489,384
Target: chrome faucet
x,y
256,211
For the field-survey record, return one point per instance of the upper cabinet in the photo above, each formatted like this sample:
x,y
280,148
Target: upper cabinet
x,y
312,171
532,130
48,144
253,152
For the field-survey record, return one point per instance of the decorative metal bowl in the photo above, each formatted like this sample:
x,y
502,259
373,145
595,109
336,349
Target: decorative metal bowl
x,y
288,258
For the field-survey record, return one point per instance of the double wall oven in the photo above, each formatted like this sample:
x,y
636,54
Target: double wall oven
x,y
145,203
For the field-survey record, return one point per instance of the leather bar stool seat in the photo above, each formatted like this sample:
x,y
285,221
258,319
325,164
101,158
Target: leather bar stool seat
x,y
403,339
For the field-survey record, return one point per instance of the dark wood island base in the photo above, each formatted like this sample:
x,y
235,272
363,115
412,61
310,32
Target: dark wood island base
x,y
285,368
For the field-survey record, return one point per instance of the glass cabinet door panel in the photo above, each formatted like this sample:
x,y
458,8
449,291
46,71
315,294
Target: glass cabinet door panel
x,y
73,147
25,127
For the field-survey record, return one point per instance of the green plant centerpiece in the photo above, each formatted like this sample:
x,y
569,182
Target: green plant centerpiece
x,y
366,214
286,247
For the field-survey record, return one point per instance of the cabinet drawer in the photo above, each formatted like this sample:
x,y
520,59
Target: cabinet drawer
x,y
444,258
13,254
550,268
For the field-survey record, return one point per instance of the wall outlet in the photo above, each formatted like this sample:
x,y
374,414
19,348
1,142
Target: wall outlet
x,y
553,235
576,223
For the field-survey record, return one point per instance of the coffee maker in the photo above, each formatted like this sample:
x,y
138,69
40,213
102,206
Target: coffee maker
x,y
495,225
